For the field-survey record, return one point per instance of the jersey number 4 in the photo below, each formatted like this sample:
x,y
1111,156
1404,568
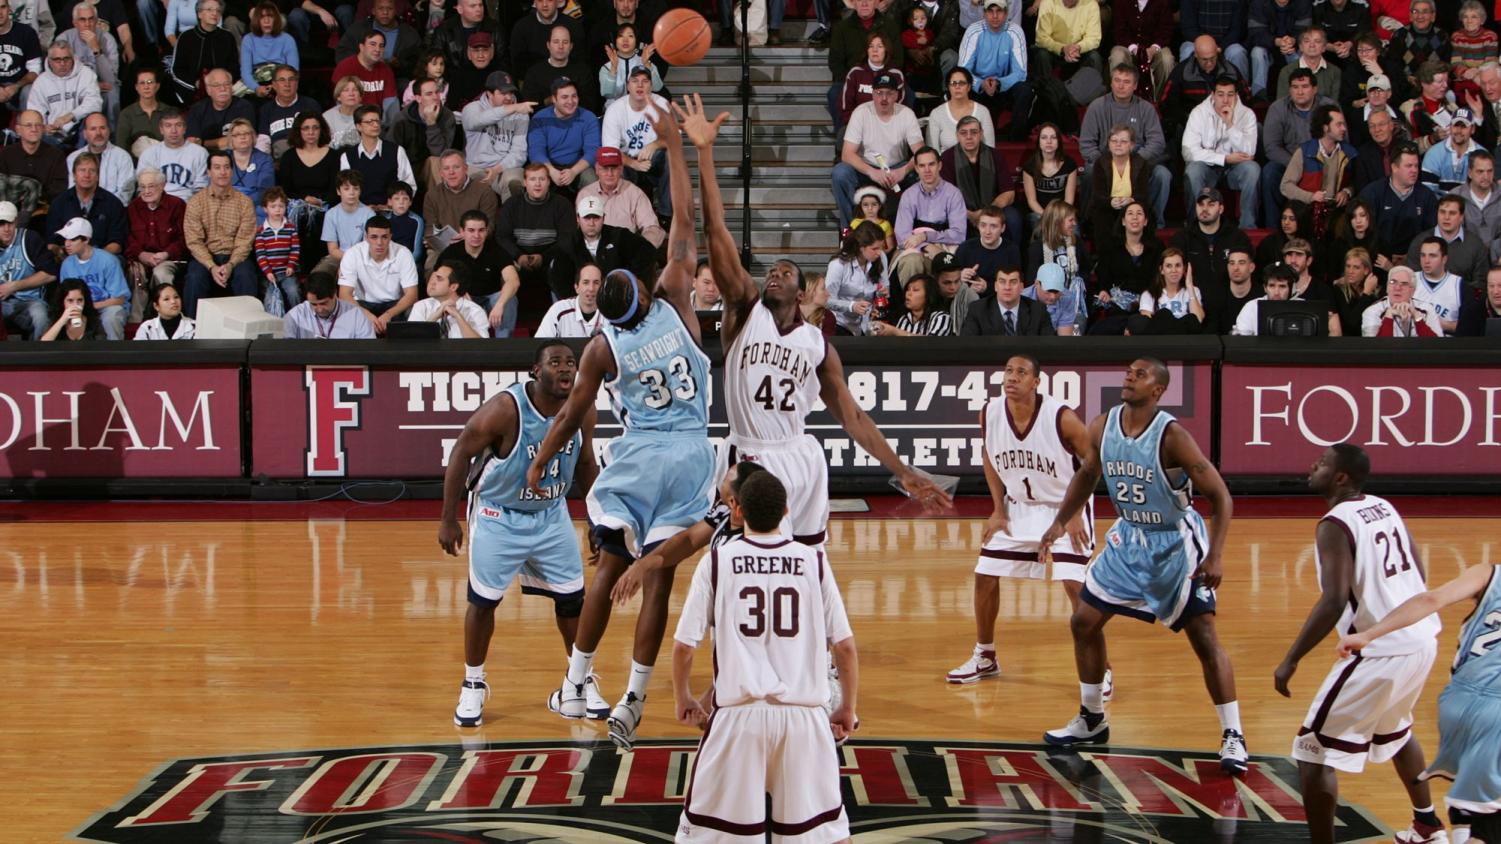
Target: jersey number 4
x,y
783,611
767,398
658,395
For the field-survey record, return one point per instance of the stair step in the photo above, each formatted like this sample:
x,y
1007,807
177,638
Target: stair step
x,y
786,54
706,74
806,219
771,132
810,196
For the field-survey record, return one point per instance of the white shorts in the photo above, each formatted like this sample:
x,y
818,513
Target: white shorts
x,y
757,749
802,467
1364,710
1014,553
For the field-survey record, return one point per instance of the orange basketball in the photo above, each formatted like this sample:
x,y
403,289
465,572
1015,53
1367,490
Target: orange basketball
x,y
682,36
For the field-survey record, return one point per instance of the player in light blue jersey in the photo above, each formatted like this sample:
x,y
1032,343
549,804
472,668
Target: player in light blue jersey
x,y
1158,562
514,528
1469,708
659,473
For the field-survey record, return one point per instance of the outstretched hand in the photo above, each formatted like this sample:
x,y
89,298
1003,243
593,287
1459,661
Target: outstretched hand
x,y
921,488
666,126
696,125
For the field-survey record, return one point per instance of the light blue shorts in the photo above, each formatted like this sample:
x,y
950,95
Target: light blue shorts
x,y
652,487
1148,574
540,545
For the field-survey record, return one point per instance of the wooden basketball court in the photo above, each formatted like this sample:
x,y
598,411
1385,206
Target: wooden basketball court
x,y
131,643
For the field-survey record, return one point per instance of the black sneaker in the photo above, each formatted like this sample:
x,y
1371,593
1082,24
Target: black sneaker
x,y
820,35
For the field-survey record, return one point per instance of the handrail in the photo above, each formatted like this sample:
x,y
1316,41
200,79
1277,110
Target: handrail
x,y
745,137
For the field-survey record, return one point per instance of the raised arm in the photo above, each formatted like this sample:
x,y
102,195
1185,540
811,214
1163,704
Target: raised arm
x,y
1179,450
676,281
735,284
586,471
596,362
1079,489
678,548
1336,573
494,422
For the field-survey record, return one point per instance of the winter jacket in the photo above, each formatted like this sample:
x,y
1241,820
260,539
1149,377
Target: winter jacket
x,y
1207,140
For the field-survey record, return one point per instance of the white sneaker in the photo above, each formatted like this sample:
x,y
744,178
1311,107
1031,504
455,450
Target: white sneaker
x,y
1234,758
472,697
1423,834
594,705
568,700
980,665
1108,686
624,719
1079,731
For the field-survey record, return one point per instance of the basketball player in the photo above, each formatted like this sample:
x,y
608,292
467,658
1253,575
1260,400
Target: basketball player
x,y
1033,444
1469,717
772,603
1367,565
1158,564
657,480
513,528
776,366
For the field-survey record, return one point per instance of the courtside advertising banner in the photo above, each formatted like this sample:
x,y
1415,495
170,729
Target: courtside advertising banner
x,y
1413,420
353,421
121,422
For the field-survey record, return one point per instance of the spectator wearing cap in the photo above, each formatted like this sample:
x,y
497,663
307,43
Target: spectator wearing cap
x,y
493,280
1446,164
495,128
26,268
101,271
1468,254
378,161
528,230
626,206
564,138
870,206
1319,170
102,209
468,80
453,36
1006,312
1401,206
930,218
530,35
878,146
425,128
923,312
1397,314
377,81
1378,97
1064,300
1297,254
1207,241
994,51
956,295
595,242
219,227
627,127
539,83
456,192
1219,146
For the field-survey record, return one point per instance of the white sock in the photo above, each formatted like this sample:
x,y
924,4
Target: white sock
x,y
640,676
474,673
1459,834
990,648
1229,716
1092,696
579,664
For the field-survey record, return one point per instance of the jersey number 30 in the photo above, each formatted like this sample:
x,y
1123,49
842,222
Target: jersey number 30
x,y
783,611
658,395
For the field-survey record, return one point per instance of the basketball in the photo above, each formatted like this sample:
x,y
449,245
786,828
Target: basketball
x,y
682,36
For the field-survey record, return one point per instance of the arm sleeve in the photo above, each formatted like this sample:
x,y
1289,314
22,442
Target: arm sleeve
x,y
693,623
1047,22
1153,142
192,227
1093,34
244,233
1194,149
1292,175
836,622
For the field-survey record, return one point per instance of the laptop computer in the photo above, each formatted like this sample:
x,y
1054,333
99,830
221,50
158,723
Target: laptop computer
x,y
406,330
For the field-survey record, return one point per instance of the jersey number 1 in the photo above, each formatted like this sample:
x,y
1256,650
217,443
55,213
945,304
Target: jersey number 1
x,y
784,611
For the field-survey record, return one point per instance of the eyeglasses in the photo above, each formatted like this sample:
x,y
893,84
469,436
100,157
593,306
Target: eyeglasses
x,y
369,121
60,59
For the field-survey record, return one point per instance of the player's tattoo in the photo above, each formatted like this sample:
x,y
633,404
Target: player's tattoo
x,y
679,251
1199,466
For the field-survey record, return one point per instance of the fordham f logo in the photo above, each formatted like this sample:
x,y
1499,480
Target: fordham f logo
x,y
333,406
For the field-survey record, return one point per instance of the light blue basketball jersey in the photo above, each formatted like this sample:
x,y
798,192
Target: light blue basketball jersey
x,y
501,481
1143,493
1478,661
662,376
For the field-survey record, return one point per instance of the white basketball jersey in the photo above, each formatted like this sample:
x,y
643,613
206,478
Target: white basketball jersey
x,y
774,606
771,378
1034,463
1386,574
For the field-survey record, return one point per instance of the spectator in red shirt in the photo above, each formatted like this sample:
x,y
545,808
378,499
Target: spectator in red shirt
x,y
157,247
377,82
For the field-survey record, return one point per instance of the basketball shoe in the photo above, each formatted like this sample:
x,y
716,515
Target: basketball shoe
x,y
471,708
595,704
624,719
1234,758
569,700
1107,688
980,665
1421,833
1086,728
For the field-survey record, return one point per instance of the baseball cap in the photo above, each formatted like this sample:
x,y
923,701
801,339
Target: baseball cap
x,y
1297,244
1464,116
76,227
499,80
1050,276
8,212
1209,194
1378,80
639,70
608,157
591,206
884,80
481,39
999,3
945,262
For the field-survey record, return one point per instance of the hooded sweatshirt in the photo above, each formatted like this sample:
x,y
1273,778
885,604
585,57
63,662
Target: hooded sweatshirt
x,y
54,96
491,136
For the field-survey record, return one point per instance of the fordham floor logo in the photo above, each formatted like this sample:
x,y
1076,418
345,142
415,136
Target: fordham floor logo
x,y
955,792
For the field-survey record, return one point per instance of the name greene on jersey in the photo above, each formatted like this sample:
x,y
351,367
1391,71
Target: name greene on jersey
x,y
776,356
766,564
654,350
1026,459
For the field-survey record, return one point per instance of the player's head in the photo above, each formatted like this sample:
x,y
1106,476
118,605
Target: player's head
x,y
784,284
623,298
554,369
762,502
1341,466
729,488
1147,379
1022,375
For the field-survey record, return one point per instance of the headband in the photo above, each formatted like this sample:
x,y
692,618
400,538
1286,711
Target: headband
x,y
635,299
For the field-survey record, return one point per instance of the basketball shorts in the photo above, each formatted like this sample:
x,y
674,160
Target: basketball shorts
x,y
1148,574
1014,553
1469,749
802,467
1363,711
653,486
541,546
757,749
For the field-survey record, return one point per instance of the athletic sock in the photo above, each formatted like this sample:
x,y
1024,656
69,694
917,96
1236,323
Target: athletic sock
x,y
474,673
640,676
579,664
990,648
1092,697
1426,816
1229,716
